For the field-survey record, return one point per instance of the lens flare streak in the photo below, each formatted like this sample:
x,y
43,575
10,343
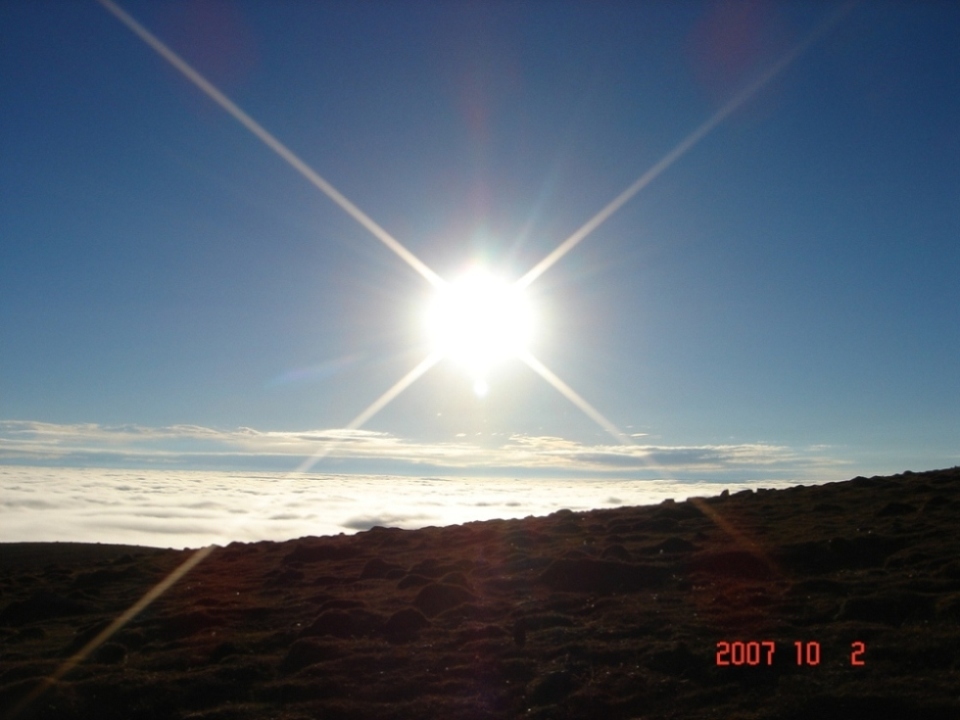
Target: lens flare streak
x,y
142,604
375,407
271,142
569,393
683,146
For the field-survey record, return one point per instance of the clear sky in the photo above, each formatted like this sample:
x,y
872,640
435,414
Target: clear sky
x,y
781,301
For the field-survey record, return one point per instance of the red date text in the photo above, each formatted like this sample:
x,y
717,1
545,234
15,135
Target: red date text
x,y
761,652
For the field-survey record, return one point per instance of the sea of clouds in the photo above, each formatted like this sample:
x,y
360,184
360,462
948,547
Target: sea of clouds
x,y
189,508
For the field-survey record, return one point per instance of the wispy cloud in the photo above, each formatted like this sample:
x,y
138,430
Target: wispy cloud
x,y
317,372
186,446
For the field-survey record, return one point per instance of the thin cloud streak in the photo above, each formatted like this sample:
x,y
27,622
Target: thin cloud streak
x,y
188,446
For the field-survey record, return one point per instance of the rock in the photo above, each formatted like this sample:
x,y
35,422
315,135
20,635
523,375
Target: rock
x,y
354,623
110,653
313,553
895,509
890,608
600,576
181,625
413,581
405,625
734,564
551,688
674,545
435,598
455,578
519,633
377,568
616,552
309,651
42,605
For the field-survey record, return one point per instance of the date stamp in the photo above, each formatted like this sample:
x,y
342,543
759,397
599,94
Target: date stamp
x,y
761,652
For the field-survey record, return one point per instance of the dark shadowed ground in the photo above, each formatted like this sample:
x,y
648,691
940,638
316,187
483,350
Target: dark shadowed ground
x,y
610,613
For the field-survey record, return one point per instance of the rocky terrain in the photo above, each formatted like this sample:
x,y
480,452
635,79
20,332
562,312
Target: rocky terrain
x,y
833,601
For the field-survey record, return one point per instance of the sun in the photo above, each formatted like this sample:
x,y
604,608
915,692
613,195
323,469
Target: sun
x,y
478,321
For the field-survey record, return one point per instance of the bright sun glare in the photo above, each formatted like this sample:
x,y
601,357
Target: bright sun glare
x,y
478,321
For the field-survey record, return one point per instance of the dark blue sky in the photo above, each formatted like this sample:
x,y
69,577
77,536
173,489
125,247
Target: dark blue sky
x,y
789,284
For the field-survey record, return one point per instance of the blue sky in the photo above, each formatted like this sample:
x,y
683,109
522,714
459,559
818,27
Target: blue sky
x,y
781,301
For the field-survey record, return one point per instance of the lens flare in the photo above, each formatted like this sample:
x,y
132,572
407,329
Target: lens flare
x,y
479,321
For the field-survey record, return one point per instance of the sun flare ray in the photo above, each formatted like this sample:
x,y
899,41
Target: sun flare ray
x,y
571,395
684,146
211,91
374,407
129,614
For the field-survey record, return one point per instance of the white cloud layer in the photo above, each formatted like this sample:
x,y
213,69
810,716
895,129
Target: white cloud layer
x,y
190,508
191,446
